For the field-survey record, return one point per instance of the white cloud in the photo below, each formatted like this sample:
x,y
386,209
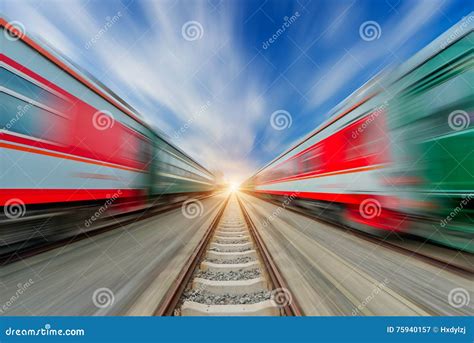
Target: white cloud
x,y
154,64
168,78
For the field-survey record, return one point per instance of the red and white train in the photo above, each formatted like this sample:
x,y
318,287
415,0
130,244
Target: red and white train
x,y
69,147
339,167
396,155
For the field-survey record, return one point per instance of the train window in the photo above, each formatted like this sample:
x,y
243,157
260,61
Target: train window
x,y
19,86
26,119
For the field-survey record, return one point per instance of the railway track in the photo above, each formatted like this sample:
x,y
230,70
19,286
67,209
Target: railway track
x,y
460,262
231,273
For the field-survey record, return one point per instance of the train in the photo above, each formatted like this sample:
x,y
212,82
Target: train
x,y
71,150
397,156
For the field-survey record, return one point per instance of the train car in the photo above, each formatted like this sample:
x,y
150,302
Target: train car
x,y
396,155
174,172
69,147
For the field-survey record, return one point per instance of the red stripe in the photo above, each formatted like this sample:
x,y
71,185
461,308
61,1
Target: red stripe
x,y
333,155
76,144
388,219
38,196
56,152
318,174
331,197
333,120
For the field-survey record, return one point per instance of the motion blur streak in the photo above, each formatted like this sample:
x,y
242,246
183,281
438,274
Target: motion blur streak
x,y
398,154
73,153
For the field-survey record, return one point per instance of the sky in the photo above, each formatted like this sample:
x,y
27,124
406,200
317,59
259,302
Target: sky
x,y
234,83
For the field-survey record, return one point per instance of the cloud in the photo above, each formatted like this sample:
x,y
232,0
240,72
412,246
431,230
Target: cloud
x,y
211,93
167,77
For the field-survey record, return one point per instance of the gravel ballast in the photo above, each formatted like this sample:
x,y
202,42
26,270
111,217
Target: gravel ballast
x,y
227,250
207,298
237,260
228,276
235,241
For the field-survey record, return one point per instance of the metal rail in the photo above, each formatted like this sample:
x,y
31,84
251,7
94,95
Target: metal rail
x,y
277,279
172,297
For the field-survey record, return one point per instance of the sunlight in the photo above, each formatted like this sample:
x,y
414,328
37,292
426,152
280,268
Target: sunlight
x,y
233,187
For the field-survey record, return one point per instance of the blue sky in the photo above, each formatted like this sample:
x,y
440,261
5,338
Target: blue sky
x,y
206,73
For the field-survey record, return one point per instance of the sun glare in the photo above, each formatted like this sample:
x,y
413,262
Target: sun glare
x,y
233,187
